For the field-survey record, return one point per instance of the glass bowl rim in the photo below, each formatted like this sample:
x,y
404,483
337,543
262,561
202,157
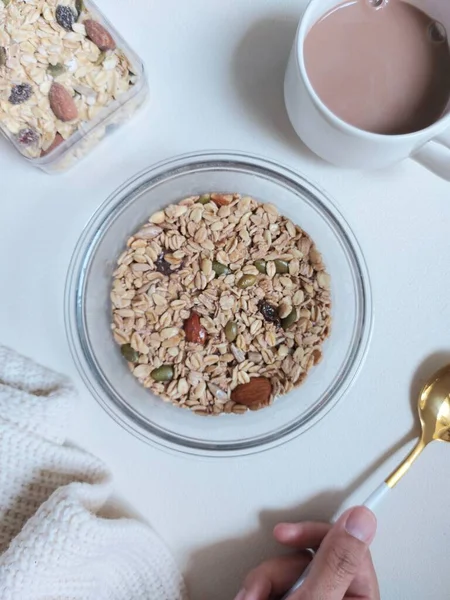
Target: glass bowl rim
x,y
85,249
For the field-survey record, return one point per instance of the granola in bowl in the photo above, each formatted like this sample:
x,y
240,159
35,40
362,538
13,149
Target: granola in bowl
x,y
220,304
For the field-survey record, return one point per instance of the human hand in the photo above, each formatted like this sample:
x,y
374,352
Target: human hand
x,y
342,568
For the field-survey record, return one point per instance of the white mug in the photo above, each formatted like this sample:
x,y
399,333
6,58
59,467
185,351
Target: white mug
x,y
344,145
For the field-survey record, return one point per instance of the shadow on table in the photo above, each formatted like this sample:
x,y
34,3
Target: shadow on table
x,y
218,570
259,65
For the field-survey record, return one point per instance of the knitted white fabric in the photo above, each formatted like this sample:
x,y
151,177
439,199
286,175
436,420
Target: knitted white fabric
x,y
53,546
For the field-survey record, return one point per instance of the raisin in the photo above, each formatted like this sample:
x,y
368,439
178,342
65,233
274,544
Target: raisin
x,y
269,312
162,266
20,93
27,137
65,17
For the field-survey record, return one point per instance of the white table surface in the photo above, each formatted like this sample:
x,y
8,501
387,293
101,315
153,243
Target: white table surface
x,y
216,70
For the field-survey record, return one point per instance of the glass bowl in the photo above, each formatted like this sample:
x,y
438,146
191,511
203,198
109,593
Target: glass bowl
x,y
88,309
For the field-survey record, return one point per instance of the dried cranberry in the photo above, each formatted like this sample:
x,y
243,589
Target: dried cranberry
x,y
27,137
269,312
20,93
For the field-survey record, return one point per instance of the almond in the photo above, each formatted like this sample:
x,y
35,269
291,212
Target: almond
x,y
62,103
99,36
56,142
194,330
255,394
221,199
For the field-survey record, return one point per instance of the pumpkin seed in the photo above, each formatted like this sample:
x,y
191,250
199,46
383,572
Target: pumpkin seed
x,y
289,320
281,266
2,56
220,269
231,331
261,266
79,7
246,281
129,353
204,199
55,70
162,374
100,59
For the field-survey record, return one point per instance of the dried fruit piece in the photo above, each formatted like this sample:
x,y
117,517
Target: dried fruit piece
x,y
255,394
194,330
281,266
163,374
62,103
220,269
289,320
261,266
231,331
56,142
246,281
56,70
269,312
129,353
221,199
162,266
3,56
20,93
204,199
27,137
99,36
65,17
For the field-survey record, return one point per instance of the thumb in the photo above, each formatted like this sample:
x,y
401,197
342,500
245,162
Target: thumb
x,y
340,556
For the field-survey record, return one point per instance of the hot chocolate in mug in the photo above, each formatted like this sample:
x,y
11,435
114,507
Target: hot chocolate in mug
x,y
343,144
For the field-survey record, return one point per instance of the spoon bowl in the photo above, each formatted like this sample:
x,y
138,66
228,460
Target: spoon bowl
x,y
434,407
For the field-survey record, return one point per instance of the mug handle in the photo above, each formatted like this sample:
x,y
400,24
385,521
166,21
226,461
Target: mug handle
x,y
435,155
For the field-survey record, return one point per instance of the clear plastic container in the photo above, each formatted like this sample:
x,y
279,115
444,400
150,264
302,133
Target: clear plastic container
x,y
88,305
103,110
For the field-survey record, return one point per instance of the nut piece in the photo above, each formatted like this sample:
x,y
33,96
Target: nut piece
x,y
221,199
282,266
62,103
255,394
261,266
98,34
129,353
289,320
246,281
231,331
220,269
194,330
163,374
56,142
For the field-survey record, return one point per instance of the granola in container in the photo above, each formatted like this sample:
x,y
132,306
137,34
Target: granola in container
x,y
65,76
220,304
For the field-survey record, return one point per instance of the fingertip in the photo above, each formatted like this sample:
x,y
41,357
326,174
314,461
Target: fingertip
x,y
287,532
361,523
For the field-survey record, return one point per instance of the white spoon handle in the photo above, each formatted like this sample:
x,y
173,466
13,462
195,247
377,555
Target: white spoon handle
x,y
377,496
371,502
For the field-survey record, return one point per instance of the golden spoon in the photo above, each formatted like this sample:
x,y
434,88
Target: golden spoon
x,y
434,414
